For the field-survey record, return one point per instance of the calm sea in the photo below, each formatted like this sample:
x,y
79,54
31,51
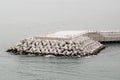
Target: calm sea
x,y
20,19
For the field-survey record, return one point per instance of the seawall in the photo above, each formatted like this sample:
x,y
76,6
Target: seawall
x,y
65,43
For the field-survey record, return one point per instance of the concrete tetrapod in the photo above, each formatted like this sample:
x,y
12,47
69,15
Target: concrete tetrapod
x,y
72,47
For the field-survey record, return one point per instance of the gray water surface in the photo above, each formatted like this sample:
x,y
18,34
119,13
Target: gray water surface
x,y
20,19
104,66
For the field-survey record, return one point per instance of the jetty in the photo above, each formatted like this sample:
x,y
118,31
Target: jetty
x,y
65,43
104,36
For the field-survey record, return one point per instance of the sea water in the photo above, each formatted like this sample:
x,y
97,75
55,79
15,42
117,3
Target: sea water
x,y
26,18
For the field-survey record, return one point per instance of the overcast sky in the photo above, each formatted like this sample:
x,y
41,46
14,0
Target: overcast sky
x,y
59,14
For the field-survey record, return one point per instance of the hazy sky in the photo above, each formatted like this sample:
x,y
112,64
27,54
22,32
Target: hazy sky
x,y
59,14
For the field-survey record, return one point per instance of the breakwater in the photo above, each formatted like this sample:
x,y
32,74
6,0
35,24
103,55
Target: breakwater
x,y
65,43
50,45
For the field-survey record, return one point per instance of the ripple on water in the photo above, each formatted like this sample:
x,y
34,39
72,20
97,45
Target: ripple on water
x,y
104,66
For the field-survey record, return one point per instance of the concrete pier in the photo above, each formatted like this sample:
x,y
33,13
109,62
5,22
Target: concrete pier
x,y
104,36
65,43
